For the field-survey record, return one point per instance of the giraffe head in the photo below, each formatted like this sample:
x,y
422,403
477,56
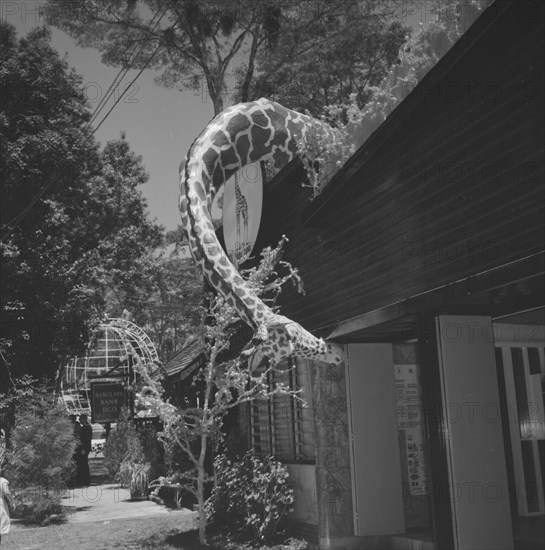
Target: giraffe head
x,y
281,338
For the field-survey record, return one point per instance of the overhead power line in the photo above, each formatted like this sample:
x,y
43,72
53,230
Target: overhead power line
x,y
154,53
137,48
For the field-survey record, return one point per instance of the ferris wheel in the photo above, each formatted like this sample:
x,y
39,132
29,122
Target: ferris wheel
x,y
106,360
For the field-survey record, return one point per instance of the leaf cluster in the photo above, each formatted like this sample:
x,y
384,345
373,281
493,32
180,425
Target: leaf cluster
x,y
328,50
165,300
354,121
41,446
221,385
250,499
304,53
75,224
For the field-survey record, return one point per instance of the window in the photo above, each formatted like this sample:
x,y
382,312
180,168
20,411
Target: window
x,y
283,426
521,370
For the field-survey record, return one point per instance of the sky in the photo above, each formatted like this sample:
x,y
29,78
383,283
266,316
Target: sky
x,y
160,123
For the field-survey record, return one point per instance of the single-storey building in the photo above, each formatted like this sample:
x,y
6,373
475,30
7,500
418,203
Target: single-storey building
x,y
424,256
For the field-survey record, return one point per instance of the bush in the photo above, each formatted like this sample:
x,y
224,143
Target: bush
x,y
40,458
172,491
122,444
132,457
151,451
136,477
250,499
36,505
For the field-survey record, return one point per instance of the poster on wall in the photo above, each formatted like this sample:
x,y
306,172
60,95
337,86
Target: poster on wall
x,y
107,400
242,203
410,423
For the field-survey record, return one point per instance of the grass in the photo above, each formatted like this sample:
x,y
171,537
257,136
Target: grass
x,y
134,534
129,534
159,532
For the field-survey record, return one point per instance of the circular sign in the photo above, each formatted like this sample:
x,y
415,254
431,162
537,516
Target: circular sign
x,y
242,203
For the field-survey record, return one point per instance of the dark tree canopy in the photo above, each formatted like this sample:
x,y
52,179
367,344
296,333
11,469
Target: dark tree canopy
x,y
238,50
74,222
333,49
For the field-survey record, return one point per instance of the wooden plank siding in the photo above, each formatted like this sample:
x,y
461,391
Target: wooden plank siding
x,y
457,169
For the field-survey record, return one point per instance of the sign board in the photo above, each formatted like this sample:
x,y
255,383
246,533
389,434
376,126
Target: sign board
x,y
107,400
411,424
242,203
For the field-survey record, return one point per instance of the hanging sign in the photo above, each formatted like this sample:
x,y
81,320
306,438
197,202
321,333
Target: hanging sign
x,y
107,400
242,203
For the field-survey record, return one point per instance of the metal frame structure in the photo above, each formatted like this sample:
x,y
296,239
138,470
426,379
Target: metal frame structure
x,y
107,359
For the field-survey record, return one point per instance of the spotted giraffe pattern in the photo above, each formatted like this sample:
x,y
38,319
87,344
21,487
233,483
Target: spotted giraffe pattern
x,y
248,132
241,211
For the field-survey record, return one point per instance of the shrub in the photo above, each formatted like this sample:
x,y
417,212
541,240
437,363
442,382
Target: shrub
x,y
172,491
40,458
250,499
132,456
135,476
122,444
151,451
35,505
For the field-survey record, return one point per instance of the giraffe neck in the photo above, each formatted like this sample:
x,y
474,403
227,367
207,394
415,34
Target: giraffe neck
x,y
242,134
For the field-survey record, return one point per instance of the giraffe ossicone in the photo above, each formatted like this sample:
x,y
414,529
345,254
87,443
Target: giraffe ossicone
x,y
248,132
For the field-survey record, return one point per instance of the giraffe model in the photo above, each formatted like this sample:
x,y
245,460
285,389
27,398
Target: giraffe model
x,y
248,132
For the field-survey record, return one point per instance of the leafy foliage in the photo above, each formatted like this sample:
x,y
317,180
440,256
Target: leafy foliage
x,y
135,476
122,443
75,225
250,499
199,40
222,385
128,449
39,460
329,49
22,391
251,48
325,153
165,300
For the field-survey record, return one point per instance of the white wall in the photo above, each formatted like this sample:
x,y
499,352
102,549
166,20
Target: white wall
x,y
479,493
376,469
303,479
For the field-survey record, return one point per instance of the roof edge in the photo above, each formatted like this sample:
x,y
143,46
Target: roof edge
x,y
405,108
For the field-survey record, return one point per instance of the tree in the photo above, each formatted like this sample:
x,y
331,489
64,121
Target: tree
x,y
227,43
174,310
324,154
166,302
346,48
222,385
74,222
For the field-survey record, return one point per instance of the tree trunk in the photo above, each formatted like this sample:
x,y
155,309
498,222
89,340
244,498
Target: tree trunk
x,y
218,104
200,491
245,90
200,500
215,91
